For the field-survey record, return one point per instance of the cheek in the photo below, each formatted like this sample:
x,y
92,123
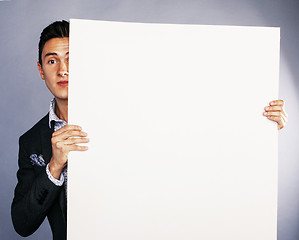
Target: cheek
x,y
50,74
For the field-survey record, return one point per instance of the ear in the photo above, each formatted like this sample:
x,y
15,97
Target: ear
x,y
41,72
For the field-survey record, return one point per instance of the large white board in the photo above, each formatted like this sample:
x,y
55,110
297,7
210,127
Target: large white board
x,y
179,147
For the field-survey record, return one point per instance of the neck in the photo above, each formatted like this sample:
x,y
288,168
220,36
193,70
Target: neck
x,y
61,109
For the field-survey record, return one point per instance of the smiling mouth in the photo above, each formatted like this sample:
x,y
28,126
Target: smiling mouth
x,y
63,83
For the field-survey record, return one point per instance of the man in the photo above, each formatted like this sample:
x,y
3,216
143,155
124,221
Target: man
x,y
43,150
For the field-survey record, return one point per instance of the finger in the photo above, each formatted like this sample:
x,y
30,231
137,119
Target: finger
x,y
71,141
274,108
67,128
277,102
277,109
278,114
275,119
74,133
77,148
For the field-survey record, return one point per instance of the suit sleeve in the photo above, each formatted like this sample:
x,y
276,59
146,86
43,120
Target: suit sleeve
x,y
34,195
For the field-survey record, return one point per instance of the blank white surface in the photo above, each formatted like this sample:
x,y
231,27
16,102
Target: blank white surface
x,y
179,147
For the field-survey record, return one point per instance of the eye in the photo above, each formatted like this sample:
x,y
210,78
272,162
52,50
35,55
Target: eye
x,y
52,61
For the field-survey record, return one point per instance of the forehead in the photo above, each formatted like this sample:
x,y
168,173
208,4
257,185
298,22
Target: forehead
x,y
56,45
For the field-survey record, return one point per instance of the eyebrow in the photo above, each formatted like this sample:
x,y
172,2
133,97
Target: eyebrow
x,y
53,54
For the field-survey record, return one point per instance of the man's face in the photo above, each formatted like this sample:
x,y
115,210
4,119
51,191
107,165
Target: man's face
x,y
55,66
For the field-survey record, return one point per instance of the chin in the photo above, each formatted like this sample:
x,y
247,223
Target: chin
x,y
62,98
62,95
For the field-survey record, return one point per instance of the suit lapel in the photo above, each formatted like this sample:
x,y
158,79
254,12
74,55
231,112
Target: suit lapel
x,y
46,135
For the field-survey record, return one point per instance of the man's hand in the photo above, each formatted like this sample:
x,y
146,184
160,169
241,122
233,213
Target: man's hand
x,y
275,112
63,141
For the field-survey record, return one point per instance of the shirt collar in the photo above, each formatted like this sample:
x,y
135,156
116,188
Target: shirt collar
x,y
52,114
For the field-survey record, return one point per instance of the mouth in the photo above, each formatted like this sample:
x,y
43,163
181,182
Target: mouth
x,y
63,83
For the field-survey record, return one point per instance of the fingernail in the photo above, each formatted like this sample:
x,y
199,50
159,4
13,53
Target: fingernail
x,y
267,108
84,133
265,114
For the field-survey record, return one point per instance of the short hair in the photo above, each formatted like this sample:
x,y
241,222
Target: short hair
x,y
58,29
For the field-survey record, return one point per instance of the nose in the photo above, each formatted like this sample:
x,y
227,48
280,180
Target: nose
x,y
63,69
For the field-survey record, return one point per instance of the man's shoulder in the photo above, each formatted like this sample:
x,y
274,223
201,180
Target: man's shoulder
x,y
34,132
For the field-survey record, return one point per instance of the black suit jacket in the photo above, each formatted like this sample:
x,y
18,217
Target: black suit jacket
x,y
35,195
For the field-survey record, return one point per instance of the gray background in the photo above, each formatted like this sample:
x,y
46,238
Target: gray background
x,y
24,99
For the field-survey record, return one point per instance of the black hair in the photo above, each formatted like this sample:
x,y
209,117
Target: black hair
x,y
58,29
